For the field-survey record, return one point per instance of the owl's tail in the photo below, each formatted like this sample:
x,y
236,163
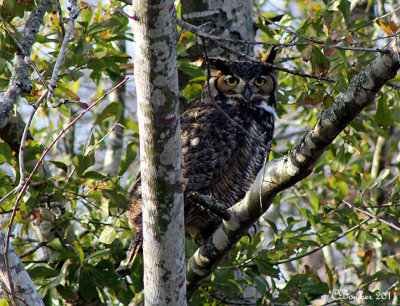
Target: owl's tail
x,y
134,248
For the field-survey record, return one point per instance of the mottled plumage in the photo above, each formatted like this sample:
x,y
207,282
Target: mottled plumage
x,y
223,146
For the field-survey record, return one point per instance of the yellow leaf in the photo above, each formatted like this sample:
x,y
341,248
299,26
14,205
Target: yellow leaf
x,y
388,27
316,7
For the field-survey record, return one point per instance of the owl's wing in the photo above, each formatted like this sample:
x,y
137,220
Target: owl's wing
x,y
208,143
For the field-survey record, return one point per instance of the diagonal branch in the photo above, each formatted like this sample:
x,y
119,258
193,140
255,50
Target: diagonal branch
x,y
20,81
279,175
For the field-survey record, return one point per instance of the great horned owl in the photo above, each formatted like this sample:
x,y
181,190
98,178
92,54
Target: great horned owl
x,y
224,138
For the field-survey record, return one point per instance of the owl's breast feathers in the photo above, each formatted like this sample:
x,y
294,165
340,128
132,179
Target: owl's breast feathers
x,y
218,159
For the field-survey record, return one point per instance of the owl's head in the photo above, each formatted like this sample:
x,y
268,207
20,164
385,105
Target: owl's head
x,y
244,83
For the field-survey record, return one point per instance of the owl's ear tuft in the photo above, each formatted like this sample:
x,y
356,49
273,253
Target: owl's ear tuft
x,y
219,64
269,57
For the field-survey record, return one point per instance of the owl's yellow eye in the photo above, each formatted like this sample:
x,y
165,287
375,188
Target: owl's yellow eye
x,y
260,81
231,81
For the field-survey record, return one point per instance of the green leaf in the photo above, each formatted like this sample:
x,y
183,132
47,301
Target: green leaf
x,y
130,156
80,251
34,200
192,91
196,73
187,40
255,243
66,292
383,115
42,272
94,175
83,162
378,276
104,26
272,226
393,265
88,285
112,109
319,61
109,233
344,7
265,268
342,190
315,290
296,281
59,165
339,163
358,126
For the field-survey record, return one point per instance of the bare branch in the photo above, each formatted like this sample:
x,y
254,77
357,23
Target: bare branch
x,y
372,215
74,12
23,144
310,39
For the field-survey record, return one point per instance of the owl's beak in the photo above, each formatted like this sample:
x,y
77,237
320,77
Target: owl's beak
x,y
247,92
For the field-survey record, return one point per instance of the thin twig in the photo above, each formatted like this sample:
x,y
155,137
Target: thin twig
x,y
321,42
371,40
23,144
216,41
310,39
375,20
6,293
323,245
340,47
41,244
60,17
372,215
74,12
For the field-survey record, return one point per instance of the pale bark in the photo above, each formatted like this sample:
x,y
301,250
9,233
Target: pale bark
x,y
20,81
160,150
24,290
115,145
231,19
296,165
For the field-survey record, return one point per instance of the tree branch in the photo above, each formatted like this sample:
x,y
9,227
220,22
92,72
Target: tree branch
x,y
20,81
279,175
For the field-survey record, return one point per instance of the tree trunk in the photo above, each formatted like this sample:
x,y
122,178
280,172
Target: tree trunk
x,y
115,146
160,151
231,19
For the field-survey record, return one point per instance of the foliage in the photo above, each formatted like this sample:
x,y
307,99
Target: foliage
x,y
356,181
